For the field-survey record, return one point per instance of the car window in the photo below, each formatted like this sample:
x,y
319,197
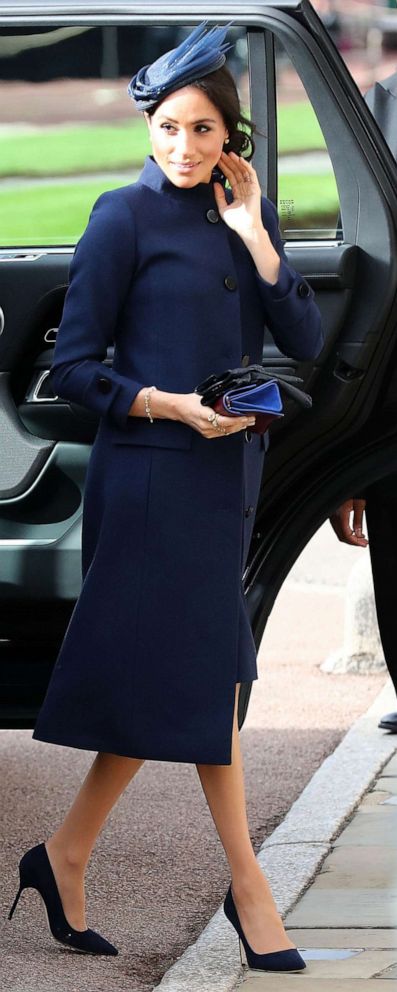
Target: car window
x,y
68,130
308,199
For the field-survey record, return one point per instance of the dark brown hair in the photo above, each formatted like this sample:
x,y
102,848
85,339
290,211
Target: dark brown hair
x,y
221,90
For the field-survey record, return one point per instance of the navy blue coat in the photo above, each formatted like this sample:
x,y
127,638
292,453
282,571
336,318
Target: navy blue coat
x,y
160,635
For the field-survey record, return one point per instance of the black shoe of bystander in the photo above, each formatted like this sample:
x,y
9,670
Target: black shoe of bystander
x,y
389,722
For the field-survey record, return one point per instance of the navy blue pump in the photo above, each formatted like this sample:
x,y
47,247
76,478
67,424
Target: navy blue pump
x,y
282,961
35,872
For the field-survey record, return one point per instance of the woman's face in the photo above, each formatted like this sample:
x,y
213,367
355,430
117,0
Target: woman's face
x,y
187,133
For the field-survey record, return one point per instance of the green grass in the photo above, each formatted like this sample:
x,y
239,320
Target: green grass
x,y
312,195
73,150
57,214
298,129
100,147
48,215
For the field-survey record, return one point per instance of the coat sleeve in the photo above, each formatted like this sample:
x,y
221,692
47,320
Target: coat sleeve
x,y
99,278
292,315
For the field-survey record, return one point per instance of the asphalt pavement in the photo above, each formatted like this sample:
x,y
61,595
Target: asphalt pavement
x,y
158,872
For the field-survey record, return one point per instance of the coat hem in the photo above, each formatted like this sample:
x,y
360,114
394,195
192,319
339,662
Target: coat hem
x,y
101,746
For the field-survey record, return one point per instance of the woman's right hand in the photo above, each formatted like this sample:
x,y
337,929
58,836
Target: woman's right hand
x,y
191,411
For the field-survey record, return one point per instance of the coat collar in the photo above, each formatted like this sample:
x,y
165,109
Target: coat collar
x,y
154,177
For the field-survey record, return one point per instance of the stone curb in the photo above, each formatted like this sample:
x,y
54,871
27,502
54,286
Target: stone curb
x,y
293,853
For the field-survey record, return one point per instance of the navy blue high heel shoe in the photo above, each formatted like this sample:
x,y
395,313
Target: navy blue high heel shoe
x,y
289,960
35,872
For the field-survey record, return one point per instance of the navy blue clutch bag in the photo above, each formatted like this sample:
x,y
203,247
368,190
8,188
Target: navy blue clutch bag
x,y
253,389
264,401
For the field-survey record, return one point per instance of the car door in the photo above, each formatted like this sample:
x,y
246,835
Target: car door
x,y
62,68
349,439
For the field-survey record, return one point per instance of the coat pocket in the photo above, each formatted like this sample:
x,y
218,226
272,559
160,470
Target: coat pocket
x,y
161,434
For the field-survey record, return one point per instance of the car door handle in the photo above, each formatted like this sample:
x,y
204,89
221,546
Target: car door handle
x,y
348,373
39,392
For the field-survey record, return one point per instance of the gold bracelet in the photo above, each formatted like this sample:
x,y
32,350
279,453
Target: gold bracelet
x,y
147,403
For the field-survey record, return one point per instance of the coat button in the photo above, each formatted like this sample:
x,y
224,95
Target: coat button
x,y
249,510
230,283
303,289
212,215
245,360
104,385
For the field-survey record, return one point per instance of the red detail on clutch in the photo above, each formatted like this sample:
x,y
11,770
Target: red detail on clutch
x,y
262,421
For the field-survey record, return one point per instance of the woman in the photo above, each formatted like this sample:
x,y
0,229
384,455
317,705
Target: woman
x,y
181,274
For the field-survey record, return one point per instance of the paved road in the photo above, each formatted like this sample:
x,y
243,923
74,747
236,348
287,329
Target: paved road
x,y
158,871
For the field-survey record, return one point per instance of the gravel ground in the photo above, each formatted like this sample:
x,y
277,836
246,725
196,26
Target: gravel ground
x,y
158,871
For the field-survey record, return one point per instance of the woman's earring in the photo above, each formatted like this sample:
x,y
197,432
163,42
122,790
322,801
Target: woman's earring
x,y
226,141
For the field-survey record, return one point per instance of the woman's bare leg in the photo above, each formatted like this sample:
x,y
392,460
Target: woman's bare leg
x,y
69,848
224,790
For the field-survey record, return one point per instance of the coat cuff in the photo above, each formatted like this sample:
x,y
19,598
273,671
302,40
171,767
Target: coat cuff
x,y
282,287
106,393
123,396
288,297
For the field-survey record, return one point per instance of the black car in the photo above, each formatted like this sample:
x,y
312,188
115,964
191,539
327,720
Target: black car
x,y
67,132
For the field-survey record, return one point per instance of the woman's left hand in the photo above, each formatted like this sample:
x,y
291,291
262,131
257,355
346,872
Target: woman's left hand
x,y
244,214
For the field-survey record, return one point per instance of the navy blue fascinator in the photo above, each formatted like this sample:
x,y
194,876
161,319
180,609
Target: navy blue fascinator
x,y
202,52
